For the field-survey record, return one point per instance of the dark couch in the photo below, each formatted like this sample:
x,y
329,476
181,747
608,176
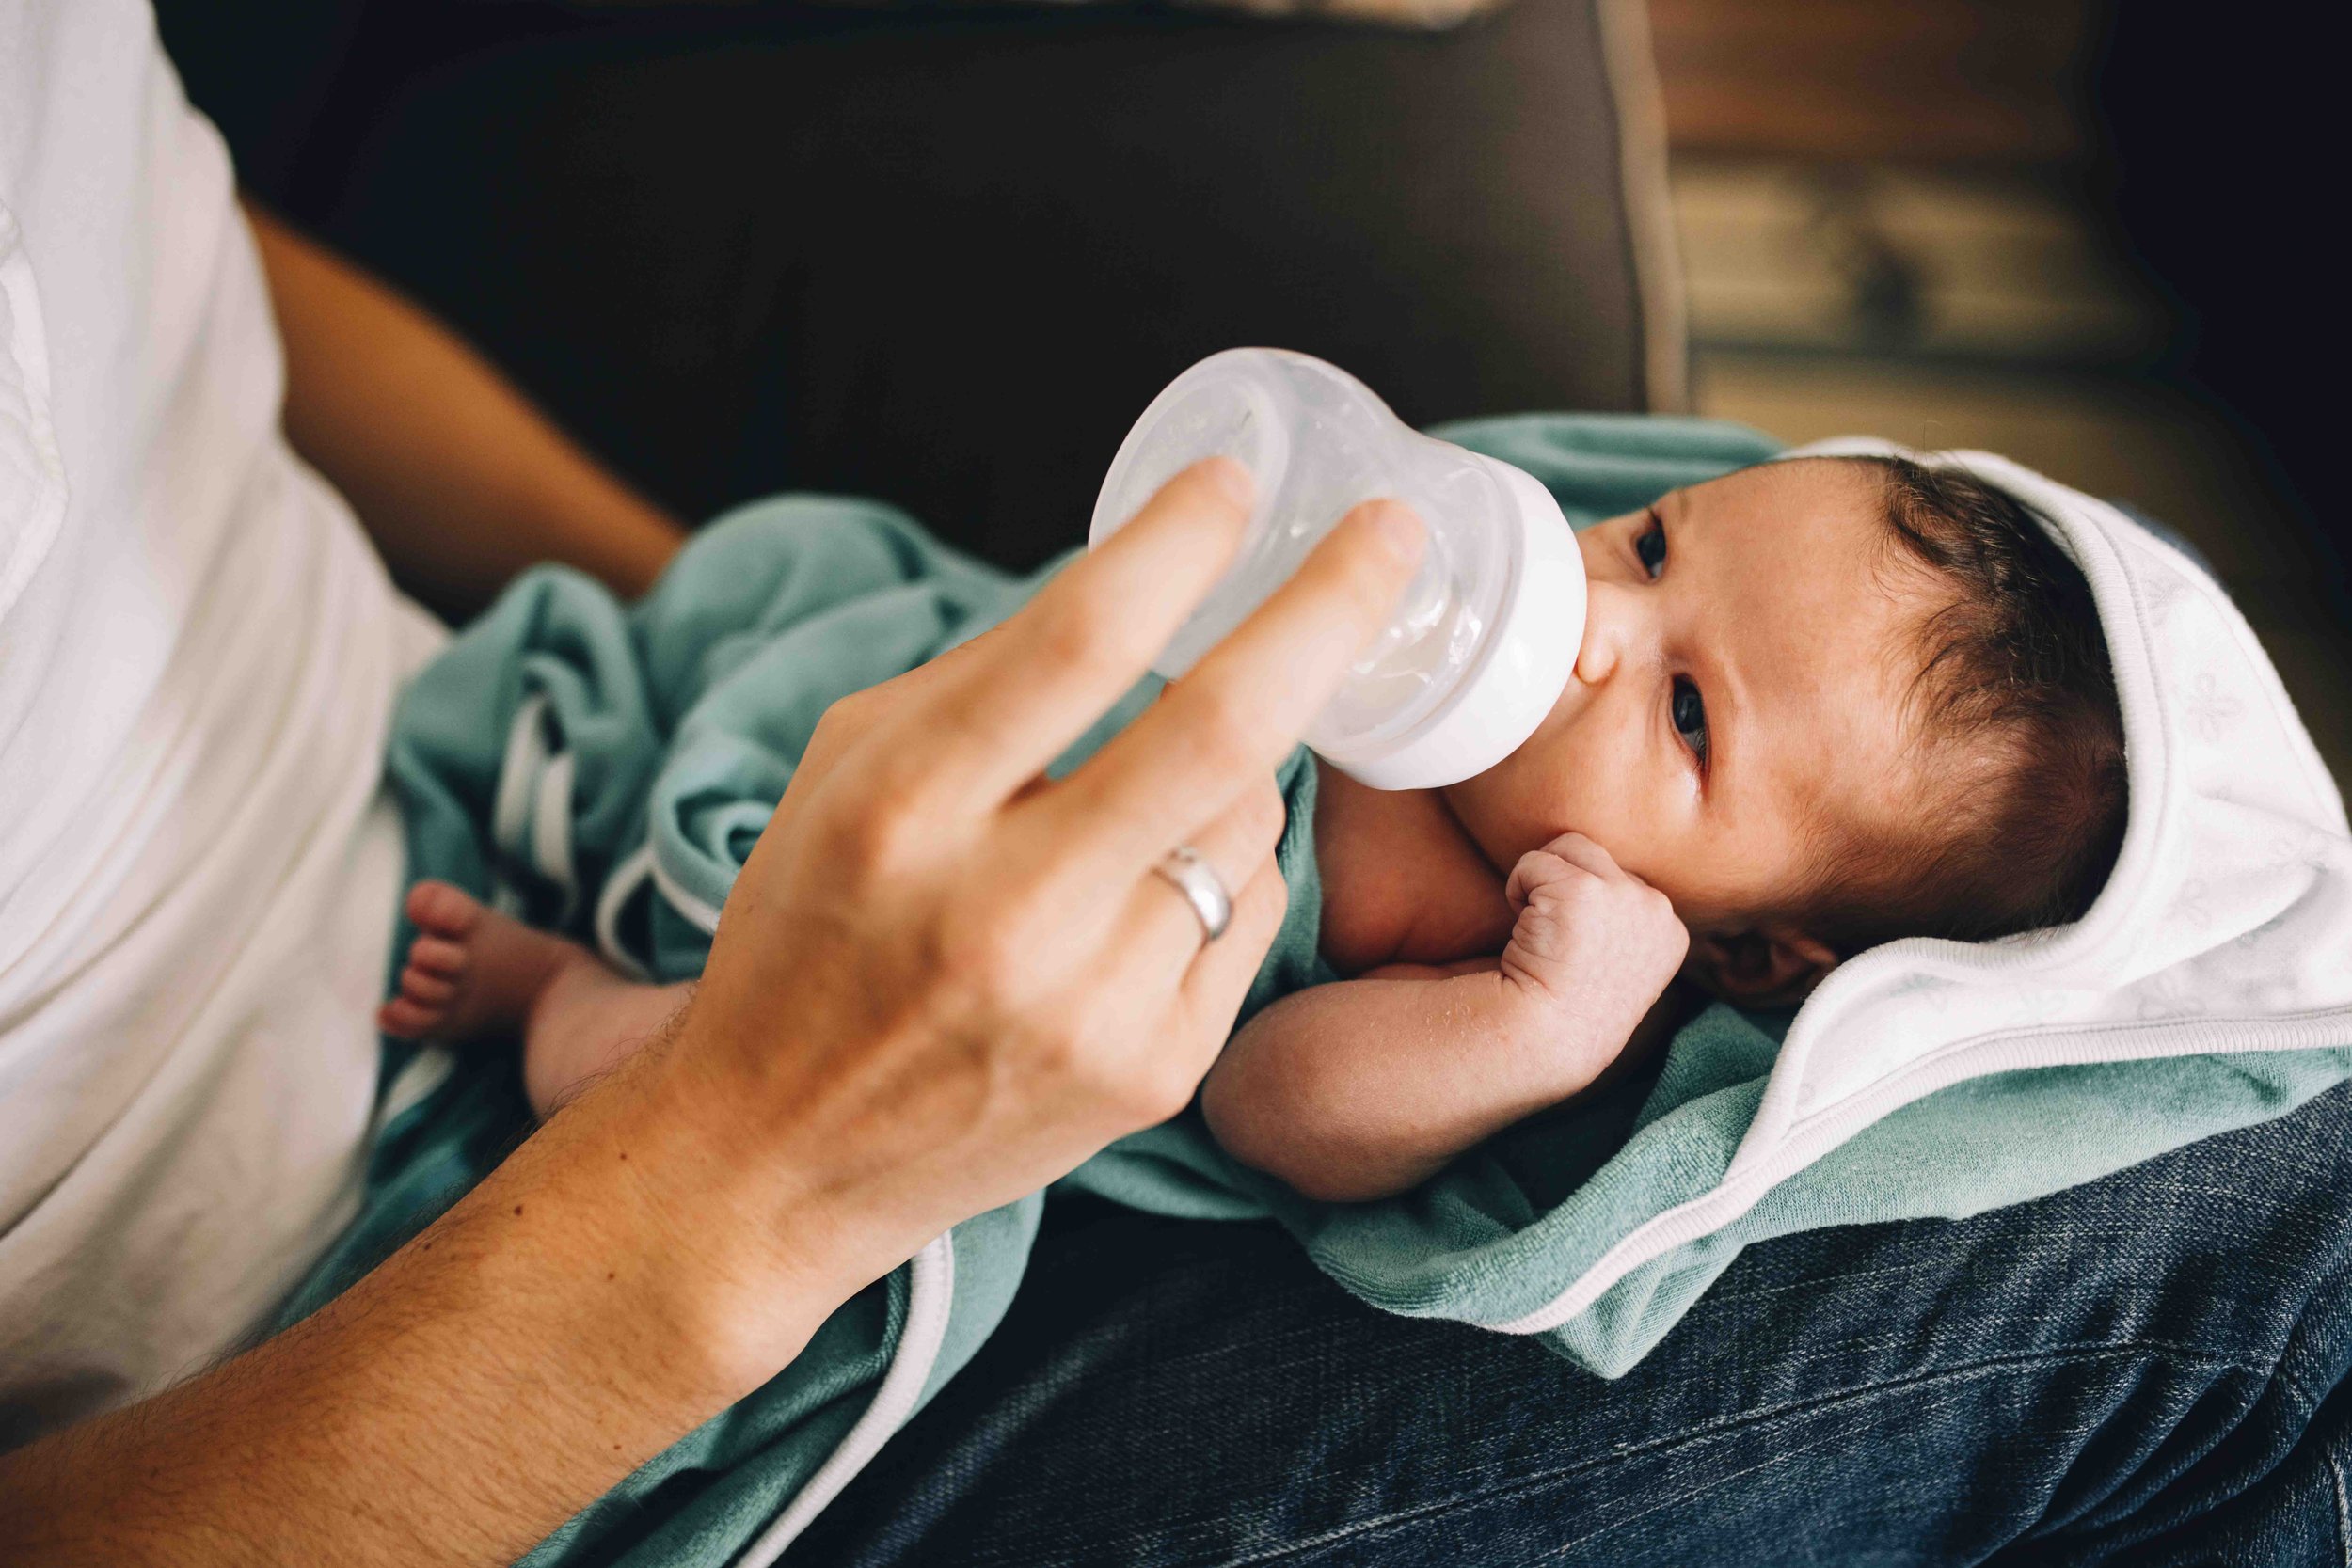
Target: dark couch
x,y
945,257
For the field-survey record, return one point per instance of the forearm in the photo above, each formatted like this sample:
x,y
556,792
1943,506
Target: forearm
x,y
562,1324
1366,1087
457,478
872,1054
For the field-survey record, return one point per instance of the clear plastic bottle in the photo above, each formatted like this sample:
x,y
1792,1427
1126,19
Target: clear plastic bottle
x,y
1482,640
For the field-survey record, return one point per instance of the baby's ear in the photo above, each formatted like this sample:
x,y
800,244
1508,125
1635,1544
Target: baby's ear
x,y
1773,966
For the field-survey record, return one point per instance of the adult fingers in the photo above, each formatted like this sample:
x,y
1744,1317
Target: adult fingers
x,y
993,712
1245,704
1159,922
1220,977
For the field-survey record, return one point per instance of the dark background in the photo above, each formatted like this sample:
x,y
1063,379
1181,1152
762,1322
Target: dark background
x,y
2089,234
945,259
2218,141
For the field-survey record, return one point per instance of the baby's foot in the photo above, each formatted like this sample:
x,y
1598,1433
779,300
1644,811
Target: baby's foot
x,y
473,972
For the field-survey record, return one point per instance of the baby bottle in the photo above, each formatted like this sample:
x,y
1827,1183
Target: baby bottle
x,y
1484,637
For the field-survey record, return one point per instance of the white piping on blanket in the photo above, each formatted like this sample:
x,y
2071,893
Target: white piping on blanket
x,y
526,752
1983,1055
694,909
530,812
427,1070
551,838
641,865
619,888
931,1292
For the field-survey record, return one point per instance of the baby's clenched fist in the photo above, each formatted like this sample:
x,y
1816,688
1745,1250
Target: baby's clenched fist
x,y
1591,941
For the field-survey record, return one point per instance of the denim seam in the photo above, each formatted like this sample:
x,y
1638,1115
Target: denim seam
x,y
2344,1512
2303,1397
2191,1354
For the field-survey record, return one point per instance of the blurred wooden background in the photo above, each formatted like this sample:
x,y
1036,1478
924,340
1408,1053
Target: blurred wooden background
x,y
1940,80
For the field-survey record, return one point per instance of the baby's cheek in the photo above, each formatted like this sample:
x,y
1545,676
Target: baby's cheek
x,y
1570,776
1556,793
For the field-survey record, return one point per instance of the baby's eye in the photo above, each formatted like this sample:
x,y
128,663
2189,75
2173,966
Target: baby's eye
x,y
1650,546
1689,717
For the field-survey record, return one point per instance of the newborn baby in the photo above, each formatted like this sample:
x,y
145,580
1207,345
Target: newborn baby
x,y
1819,705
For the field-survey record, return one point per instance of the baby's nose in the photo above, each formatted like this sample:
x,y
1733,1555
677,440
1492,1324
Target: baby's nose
x,y
1598,655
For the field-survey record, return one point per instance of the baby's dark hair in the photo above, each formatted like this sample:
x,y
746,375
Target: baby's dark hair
x,y
2019,739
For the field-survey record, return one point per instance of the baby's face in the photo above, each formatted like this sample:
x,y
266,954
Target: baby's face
x,y
1741,679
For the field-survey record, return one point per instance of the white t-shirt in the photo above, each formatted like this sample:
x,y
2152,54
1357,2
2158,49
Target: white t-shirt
x,y
198,654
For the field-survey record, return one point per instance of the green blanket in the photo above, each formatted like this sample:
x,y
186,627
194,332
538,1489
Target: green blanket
x,y
606,769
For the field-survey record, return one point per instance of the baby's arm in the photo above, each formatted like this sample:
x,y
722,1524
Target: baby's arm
x,y
1365,1087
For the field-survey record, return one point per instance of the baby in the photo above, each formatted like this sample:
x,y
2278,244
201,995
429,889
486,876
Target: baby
x,y
1820,704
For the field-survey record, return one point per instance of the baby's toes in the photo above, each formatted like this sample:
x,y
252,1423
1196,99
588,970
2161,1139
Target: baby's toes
x,y
405,1019
443,909
427,990
438,955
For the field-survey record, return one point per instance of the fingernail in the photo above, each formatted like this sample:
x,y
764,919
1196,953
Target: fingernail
x,y
1400,528
1230,480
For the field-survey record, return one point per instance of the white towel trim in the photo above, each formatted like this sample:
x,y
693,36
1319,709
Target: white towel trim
x,y
930,1294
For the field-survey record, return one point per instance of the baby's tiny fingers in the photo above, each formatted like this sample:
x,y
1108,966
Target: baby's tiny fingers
x,y
1585,854
1523,877
1665,926
1537,868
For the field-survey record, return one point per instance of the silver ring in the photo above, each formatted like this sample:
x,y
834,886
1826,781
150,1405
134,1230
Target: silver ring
x,y
1184,869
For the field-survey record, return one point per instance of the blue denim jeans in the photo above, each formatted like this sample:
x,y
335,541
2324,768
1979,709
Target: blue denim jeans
x,y
2142,1370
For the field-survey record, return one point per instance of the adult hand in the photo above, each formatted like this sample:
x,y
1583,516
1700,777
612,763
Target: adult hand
x,y
957,979
939,983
